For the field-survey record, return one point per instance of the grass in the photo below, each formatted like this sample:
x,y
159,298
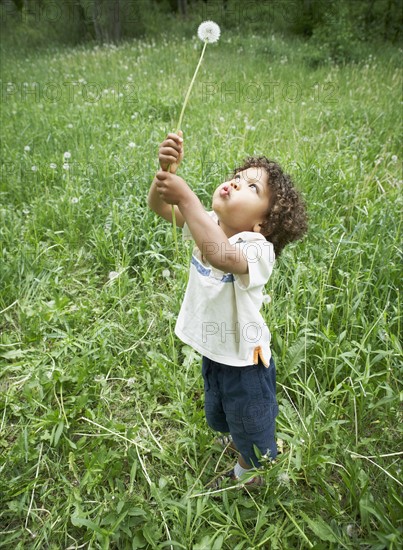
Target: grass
x,y
103,437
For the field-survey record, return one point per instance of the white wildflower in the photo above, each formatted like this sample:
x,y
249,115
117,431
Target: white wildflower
x,y
67,155
70,126
351,530
34,168
132,145
166,273
112,275
74,200
283,478
27,148
394,158
266,299
53,166
66,166
209,32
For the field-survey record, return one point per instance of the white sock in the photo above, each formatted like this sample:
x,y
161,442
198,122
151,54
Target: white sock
x,y
239,471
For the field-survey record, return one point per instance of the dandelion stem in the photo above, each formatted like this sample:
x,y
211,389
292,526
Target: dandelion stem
x,y
174,230
177,130
190,88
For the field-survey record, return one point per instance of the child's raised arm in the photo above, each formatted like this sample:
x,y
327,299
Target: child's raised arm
x,y
170,155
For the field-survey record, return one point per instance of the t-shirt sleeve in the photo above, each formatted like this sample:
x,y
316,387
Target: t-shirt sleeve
x,y
260,257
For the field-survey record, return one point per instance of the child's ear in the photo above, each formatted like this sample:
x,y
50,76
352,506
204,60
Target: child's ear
x,y
257,228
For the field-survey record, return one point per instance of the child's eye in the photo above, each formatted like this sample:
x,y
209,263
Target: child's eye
x,y
254,186
237,177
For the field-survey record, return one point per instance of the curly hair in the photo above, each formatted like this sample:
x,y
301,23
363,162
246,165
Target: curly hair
x,y
286,219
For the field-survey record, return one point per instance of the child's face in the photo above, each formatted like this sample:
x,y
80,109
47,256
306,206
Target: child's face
x,y
242,203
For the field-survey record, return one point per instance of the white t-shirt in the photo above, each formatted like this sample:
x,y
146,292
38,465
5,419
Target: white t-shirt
x,y
220,314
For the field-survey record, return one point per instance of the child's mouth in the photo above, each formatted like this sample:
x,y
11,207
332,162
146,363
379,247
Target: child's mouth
x,y
225,191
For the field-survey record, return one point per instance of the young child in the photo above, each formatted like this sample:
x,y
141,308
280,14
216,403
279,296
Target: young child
x,y
254,215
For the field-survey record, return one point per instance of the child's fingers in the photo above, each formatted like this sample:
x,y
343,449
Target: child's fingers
x,y
168,155
169,151
171,143
161,175
176,137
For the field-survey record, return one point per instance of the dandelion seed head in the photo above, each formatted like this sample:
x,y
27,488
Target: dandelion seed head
x,y
27,148
166,273
132,145
66,166
112,275
53,166
351,530
209,32
266,299
67,155
34,168
283,478
74,200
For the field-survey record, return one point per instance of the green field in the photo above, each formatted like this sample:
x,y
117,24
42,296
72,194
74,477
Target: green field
x,y
103,437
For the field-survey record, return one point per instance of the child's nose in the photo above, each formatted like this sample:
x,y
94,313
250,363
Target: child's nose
x,y
234,184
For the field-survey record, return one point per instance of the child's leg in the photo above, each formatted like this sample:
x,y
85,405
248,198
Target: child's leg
x,y
249,402
213,407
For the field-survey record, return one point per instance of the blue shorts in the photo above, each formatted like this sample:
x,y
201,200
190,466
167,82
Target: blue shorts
x,y
242,401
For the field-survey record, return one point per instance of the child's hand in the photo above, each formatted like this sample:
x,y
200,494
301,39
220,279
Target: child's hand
x,y
171,152
172,188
